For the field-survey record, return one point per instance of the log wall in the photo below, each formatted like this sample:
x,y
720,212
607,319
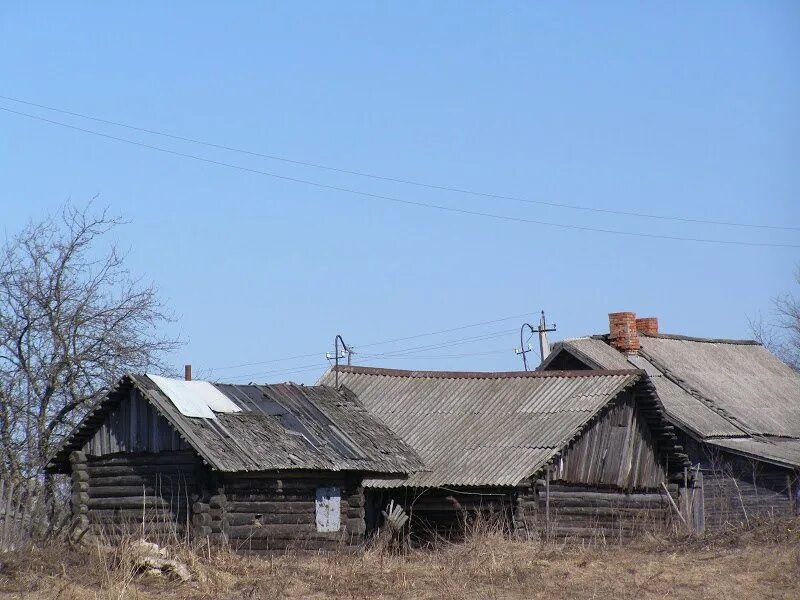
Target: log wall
x,y
265,513
577,512
446,513
149,493
598,514
737,489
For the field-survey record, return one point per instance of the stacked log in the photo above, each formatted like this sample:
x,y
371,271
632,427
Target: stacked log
x,y
145,493
80,494
275,513
599,513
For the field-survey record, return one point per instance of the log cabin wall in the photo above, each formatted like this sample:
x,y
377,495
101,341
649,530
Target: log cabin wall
x,y
264,513
437,512
736,489
599,514
140,475
135,492
617,450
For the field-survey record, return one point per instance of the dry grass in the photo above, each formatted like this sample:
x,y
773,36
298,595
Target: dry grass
x,y
762,561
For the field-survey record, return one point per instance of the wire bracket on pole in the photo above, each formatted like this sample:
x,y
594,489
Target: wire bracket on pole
x,y
345,351
542,330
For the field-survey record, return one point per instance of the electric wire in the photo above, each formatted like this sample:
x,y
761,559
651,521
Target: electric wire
x,y
438,207
401,180
372,344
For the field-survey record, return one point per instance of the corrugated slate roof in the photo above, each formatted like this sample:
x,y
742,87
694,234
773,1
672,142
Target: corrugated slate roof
x,y
592,351
744,381
284,426
732,393
684,408
782,451
481,429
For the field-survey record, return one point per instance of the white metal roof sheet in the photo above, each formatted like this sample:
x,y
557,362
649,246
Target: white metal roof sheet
x,y
195,398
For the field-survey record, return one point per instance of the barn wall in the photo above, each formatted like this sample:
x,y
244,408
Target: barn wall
x,y
617,450
590,513
737,489
575,512
134,426
444,512
119,493
264,513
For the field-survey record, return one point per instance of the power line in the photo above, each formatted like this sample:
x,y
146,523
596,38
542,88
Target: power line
x,y
443,188
448,344
438,207
371,344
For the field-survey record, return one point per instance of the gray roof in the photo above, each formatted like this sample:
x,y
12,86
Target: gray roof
x,y
280,427
592,351
714,388
482,429
743,381
781,451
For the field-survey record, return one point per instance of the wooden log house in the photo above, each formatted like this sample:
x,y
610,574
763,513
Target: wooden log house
x,y
583,455
262,467
735,408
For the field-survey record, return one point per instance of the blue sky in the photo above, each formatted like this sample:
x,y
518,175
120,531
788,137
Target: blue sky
x,y
679,109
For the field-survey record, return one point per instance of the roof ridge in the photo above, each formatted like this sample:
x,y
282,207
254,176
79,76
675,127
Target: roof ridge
x,y
483,374
690,338
676,336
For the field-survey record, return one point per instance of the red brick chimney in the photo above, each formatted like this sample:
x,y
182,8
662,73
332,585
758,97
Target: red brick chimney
x,y
647,325
622,331
187,372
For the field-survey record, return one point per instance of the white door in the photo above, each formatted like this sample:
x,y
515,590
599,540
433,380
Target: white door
x,y
328,506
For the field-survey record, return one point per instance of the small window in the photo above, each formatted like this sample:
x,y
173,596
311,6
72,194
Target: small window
x,y
328,509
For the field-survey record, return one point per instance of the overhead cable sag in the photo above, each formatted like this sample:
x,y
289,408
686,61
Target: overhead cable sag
x,y
439,207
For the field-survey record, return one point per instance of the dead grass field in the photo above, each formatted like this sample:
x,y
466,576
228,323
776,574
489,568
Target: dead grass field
x,y
759,562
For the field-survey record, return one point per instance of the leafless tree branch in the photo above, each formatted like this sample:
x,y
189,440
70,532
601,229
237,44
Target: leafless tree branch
x,y
781,333
72,320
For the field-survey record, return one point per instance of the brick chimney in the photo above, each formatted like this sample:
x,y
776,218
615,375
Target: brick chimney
x,y
187,372
622,331
647,325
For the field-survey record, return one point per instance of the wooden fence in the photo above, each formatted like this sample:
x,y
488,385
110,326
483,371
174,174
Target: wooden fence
x,y
26,516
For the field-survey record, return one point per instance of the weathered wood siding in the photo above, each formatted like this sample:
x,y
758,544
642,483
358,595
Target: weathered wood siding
x,y
275,512
617,450
138,492
134,426
737,489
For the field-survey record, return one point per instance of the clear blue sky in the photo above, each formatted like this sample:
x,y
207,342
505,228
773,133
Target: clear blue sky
x,y
687,109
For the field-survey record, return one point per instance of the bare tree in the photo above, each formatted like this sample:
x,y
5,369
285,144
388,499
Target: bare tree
x,y
781,333
72,320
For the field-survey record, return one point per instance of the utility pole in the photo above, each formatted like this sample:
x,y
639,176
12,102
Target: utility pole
x,y
544,347
339,354
522,350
